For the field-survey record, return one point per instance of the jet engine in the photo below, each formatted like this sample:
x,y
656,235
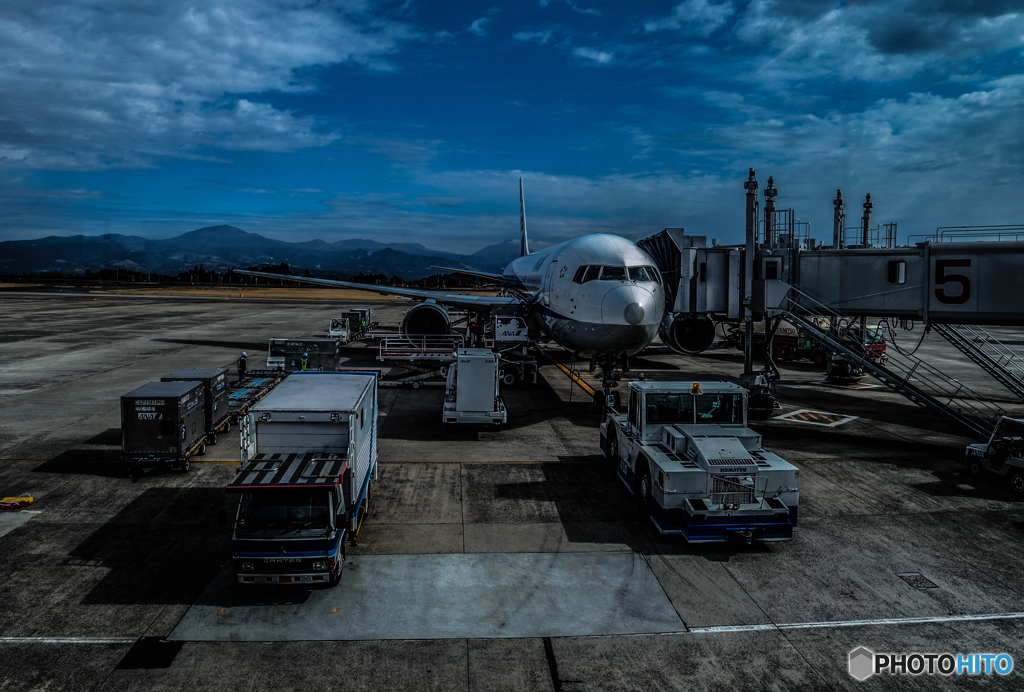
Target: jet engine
x,y
427,318
685,333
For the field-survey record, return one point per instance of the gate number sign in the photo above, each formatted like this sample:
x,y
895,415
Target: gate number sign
x,y
944,277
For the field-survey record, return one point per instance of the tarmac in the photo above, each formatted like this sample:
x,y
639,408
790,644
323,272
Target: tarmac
x,y
490,560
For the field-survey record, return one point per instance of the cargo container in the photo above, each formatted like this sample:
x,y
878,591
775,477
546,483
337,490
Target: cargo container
x,y
215,389
304,353
162,425
309,450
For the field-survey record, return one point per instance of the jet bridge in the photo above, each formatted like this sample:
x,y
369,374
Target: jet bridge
x,y
943,282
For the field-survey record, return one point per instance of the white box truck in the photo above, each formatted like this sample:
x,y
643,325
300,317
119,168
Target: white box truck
x,y
308,452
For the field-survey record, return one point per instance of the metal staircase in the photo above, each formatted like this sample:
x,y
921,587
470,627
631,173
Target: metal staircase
x,y
904,373
992,356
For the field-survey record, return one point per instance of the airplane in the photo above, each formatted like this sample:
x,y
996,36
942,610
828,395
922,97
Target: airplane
x,y
597,296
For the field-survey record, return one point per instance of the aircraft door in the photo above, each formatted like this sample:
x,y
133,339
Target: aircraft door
x,y
549,280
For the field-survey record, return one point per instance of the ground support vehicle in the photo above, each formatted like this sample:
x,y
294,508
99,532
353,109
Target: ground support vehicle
x,y
471,391
518,366
511,341
308,451
256,386
318,353
1002,455
340,328
685,452
215,385
162,426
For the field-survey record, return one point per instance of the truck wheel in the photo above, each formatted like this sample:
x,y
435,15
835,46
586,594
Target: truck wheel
x,y
508,378
1017,482
202,450
212,439
974,467
185,465
613,448
643,487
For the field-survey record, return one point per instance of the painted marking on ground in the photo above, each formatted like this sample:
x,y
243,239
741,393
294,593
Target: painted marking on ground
x,y
851,385
457,596
804,415
856,623
65,640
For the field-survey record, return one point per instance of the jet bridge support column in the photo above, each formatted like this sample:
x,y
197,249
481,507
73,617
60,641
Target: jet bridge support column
x,y
748,278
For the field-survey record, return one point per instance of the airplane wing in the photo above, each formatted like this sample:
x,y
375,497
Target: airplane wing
x,y
472,272
458,300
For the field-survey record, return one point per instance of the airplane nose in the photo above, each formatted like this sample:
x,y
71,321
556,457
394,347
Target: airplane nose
x,y
627,304
634,313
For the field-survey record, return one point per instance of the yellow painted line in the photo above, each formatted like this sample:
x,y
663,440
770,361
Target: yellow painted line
x,y
577,379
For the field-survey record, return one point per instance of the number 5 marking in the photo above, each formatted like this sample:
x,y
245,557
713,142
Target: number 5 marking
x,y
942,278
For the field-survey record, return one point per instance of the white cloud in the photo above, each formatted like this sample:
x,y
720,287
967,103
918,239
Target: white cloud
x,y
696,17
877,41
479,26
89,87
540,37
599,56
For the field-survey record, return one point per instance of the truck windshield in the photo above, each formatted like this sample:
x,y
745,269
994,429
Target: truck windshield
x,y
719,408
669,408
285,510
874,336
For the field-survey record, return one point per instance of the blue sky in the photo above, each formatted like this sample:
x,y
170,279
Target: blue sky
x,y
412,121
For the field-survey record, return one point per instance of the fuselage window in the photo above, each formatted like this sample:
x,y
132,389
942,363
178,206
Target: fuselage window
x,y
592,274
578,278
613,273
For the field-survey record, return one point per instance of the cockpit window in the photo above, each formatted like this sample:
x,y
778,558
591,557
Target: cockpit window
x,y
613,273
640,274
592,274
578,278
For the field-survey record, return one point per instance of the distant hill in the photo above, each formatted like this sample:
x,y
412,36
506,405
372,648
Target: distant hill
x,y
221,247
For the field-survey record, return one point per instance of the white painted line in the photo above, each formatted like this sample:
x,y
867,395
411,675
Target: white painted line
x,y
856,623
792,417
63,640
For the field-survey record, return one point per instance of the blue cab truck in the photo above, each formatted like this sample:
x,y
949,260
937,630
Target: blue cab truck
x,y
308,454
683,449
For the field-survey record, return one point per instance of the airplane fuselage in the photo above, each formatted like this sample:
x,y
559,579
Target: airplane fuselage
x,y
597,294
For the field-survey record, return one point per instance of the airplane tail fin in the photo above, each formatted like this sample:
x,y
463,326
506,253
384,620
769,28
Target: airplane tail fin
x,y
524,243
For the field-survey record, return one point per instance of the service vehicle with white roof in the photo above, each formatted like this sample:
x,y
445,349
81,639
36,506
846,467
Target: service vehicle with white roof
x,y
685,452
309,451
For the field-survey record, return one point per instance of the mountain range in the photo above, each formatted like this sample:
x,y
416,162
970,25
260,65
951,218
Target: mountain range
x,y
222,247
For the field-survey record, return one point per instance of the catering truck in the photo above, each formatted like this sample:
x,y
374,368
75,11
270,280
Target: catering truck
x,y
471,390
309,450
683,449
